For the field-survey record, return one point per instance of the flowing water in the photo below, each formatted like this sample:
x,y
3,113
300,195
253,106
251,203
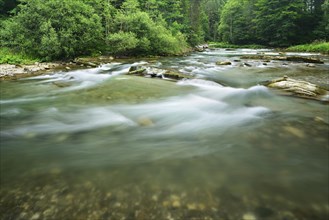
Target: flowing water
x,y
98,144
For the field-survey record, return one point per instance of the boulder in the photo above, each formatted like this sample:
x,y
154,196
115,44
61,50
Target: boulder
x,y
247,64
223,63
153,72
137,70
201,48
299,88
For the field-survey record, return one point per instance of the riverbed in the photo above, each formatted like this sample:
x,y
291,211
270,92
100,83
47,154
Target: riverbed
x,y
99,144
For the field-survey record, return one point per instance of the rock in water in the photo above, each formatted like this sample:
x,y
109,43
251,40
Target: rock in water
x,y
298,88
249,216
223,63
137,70
145,122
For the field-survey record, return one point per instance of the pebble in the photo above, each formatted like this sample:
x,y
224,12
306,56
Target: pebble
x,y
191,206
155,198
294,131
23,214
319,119
165,203
118,205
108,195
35,216
144,121
47,212
174,197
249,216
176,204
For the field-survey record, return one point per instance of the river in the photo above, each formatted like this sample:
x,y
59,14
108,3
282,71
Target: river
x,y
99,144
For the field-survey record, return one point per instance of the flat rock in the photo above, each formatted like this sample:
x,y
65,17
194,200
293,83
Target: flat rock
x,y
223,63
299,88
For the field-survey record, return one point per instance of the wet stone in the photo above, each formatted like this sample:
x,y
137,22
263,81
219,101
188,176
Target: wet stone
x,y
249,216
35,216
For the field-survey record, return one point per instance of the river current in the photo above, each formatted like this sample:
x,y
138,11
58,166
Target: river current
x,y
99,144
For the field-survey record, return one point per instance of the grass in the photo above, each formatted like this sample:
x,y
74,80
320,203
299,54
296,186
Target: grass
x,y
233,46
11,57
320,47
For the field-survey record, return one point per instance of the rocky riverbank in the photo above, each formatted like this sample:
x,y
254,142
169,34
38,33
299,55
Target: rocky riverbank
x,y
12,71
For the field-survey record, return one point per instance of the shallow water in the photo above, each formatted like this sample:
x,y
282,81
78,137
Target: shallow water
x,y
98,144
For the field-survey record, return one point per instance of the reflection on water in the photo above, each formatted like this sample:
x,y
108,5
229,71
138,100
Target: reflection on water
x,y
96,144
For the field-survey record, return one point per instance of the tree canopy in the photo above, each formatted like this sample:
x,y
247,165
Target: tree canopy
x,y
274,22
55,29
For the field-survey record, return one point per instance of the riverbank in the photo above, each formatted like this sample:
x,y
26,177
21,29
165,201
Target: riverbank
x,y
16,71
318,47
9,71
234,46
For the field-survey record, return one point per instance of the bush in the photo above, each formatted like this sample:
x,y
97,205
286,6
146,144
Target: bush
x,y
134,32
321,47
53,29
122,42
11,57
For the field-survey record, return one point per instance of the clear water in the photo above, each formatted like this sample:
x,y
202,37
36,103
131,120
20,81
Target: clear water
x,y
98,144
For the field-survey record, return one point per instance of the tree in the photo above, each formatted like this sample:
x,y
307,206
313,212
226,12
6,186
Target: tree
x,y
212,9
324,25
276,21
53,29
6,6
236,22
134,32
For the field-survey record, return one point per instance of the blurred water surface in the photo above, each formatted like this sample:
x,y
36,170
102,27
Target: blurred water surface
x,y
98,144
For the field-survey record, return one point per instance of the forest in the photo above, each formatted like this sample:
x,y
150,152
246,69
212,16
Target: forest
x,y
62,29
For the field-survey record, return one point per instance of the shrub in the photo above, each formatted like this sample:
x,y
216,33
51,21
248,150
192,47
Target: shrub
x,y
53,29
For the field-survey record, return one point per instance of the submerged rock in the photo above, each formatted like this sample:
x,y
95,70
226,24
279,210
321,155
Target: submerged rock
x,y
299,88
145,121
294,131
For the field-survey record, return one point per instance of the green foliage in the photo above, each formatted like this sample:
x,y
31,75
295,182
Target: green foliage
x,y
213,10
11,57
6,6
122,42
134,32
235,24
53,29
276,21
57,29
321,47
227,45
323,28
